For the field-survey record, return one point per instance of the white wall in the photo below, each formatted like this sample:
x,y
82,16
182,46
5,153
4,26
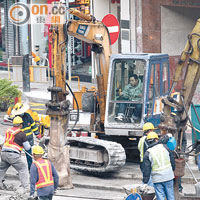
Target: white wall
x,y
125,32
37,33
133,25
101,8
176,24
38,37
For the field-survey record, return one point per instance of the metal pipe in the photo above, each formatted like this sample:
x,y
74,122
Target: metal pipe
x,y
191,172
27,153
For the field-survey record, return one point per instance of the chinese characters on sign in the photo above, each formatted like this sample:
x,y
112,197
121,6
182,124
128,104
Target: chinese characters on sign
x,y
20,13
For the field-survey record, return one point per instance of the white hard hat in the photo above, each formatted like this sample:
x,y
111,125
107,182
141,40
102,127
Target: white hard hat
x,y
2,139
19,108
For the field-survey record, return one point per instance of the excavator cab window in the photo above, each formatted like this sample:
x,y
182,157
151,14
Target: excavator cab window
x,y
127,91
157,87
165,79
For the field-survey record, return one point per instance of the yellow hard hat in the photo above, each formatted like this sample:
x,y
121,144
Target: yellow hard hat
x,y
152,135
17,120
37,150
148,126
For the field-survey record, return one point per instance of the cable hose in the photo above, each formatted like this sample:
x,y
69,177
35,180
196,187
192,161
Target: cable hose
x,y
77,109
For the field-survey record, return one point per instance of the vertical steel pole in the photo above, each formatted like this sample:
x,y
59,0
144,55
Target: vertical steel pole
x,y
25,54
25,73
139,41
94,66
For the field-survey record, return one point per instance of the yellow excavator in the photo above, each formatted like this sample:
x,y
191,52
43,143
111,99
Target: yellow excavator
x,y
117,140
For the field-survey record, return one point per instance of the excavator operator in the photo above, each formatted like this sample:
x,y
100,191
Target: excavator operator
x,y
132,92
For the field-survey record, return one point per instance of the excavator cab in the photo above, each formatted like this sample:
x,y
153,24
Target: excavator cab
x,y
137,83
127,90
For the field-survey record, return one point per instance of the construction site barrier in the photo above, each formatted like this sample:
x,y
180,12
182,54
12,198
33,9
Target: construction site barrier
x,y
38,74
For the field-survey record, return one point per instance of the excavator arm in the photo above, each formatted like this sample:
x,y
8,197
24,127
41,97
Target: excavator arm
x,y
94,32
187,69
87,154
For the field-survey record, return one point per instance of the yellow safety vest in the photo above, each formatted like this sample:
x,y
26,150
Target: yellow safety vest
x,y
160,157
141,147
10,137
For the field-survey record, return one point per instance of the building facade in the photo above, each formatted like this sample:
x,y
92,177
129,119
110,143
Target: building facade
x,y
151,26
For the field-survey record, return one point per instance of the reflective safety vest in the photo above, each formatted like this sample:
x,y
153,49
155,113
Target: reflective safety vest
x,y
10,137
160,156
44,172
141,147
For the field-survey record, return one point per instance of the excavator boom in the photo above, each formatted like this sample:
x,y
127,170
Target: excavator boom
x,y
95,33
187,69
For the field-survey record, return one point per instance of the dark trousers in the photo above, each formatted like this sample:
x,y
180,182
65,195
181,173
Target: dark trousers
x,y
29,159
137,111
49,197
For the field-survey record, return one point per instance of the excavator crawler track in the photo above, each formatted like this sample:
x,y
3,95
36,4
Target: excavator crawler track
x,y
115,153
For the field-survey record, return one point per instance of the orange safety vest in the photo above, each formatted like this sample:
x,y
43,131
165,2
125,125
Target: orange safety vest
x,y
10,137
44,172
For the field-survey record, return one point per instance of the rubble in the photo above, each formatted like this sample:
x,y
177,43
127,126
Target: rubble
x,y
138,188
12,192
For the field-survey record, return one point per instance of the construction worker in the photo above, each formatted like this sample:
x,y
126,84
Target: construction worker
x,y
2,140
15,141
143,142
43,175
29,126
131,92
159,164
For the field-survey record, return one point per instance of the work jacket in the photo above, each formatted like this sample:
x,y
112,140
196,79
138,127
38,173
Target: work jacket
x,y
44,173
133,93
142,147
159,163
10,137
29,127
161,160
